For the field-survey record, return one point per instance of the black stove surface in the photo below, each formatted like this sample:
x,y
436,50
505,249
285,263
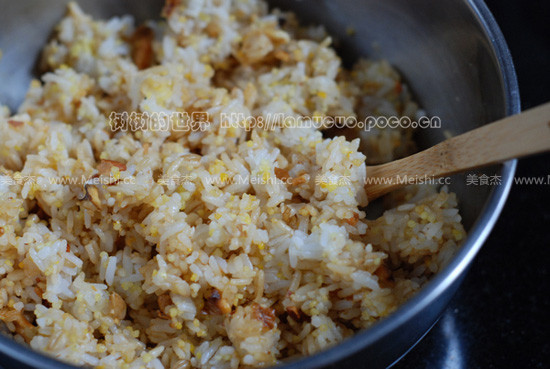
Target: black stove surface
x,y
499,317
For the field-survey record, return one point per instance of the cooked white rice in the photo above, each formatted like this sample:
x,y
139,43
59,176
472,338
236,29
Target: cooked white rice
x,y
210,272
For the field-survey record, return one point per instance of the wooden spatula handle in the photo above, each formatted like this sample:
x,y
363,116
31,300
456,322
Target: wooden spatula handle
x,y
512,137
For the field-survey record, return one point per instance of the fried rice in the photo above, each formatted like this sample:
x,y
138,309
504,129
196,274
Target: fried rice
x,y
137,270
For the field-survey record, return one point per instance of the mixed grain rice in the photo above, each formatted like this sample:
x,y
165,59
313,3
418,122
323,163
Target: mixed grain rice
x,y
209,273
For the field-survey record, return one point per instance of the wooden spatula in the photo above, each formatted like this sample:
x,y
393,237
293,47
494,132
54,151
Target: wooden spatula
x,y
512,137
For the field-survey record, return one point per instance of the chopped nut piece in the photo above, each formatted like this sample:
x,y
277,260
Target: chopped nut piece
x,y
22,325
92,194
282,174
104,167
38,291
224,306
265,315
299,180
117,306
353,220
211,303
142,47
295,313
216,304
15,316
15,123
164,301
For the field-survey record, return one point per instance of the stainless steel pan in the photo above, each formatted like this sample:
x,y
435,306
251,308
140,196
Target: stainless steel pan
x,y
456,61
